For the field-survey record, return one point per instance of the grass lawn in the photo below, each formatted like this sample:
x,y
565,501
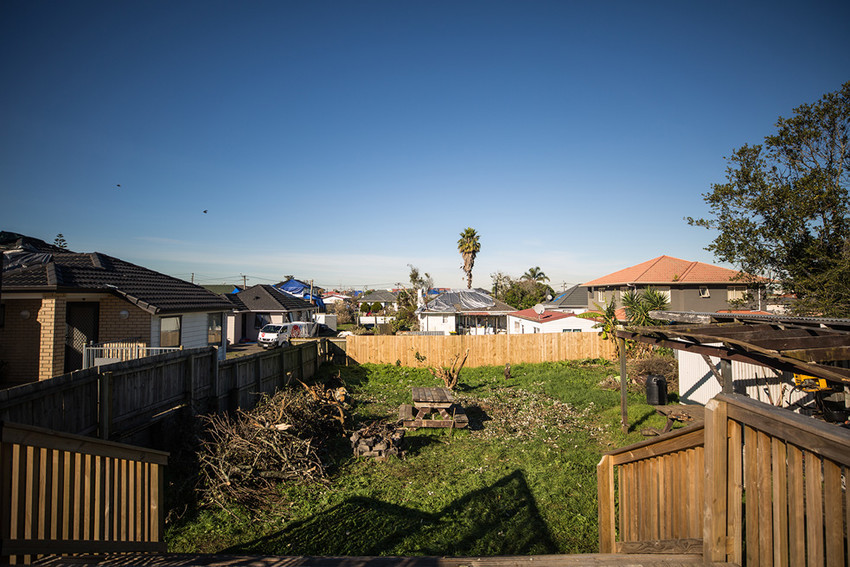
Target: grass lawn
x,y
520,480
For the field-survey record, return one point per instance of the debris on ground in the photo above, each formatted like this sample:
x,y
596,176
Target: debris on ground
x,y
379,439
284,438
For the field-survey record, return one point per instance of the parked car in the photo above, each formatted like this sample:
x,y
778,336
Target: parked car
x,y
278,334
273,335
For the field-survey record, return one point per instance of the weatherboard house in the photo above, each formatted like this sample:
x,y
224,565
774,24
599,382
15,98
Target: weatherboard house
x,y
464,312
259,305
689,286
529,321
56,303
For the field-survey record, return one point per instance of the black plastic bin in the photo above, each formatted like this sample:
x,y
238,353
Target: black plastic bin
x,y
656,390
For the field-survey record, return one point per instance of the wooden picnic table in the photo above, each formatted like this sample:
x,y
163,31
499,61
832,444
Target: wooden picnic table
x,y
427,401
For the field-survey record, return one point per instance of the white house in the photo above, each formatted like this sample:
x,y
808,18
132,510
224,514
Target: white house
x,y
255,307
530,321
464,312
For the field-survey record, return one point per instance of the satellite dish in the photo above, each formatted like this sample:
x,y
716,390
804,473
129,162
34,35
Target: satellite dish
x,y
538,309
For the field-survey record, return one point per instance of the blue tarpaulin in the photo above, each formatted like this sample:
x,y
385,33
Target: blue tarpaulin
x,y
301,289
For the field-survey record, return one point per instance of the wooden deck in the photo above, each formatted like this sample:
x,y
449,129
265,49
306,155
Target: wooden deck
x,y
190,560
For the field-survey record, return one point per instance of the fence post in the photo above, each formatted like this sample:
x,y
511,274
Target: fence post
x,y
624,382
5,496
282,374
104,385
300,363
191,389
715,505
214,387
605,489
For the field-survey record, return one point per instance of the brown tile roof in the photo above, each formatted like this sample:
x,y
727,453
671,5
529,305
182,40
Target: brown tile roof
x,y
545,317
95,272
667,270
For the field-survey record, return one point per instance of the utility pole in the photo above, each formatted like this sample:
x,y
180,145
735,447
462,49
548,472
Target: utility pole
x,y
244,280
193,277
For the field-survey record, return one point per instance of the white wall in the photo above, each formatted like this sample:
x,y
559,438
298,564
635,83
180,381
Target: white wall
x,y
443,322
519,326
697,384
328,319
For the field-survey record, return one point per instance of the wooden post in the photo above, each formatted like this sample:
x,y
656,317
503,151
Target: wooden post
x,y
190,390
605,489
104,385
726,373
624,381
5,496
214,386
715,505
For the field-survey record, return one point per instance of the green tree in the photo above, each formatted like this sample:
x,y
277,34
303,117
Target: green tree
x,y
639,304
405,319
524,294
784,212
468,246
501,283
606,321
421,281
60,242
535,274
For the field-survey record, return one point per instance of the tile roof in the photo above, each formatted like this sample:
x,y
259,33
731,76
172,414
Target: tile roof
x,y
378,295
667,270
576,296
95,272
545,317
263,297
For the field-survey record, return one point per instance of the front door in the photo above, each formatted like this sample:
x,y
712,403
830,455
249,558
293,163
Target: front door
x,y
80,329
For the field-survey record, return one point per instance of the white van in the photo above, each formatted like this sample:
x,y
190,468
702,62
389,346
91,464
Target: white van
x,y
278,334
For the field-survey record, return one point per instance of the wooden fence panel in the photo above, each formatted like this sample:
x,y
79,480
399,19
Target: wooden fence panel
x,y
70,494
484,350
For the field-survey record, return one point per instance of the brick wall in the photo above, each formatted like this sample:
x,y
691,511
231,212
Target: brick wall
x,y
113,327
19,342
51,352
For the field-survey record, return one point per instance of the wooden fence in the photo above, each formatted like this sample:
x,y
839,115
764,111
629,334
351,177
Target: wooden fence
x,y
484,350
758,485
123,399
63,493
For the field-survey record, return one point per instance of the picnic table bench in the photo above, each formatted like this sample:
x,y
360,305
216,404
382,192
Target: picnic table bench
x,y
690,413
427,401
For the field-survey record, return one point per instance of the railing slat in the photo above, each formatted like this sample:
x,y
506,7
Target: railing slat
x,y
780,503
814,510
796,520
832,512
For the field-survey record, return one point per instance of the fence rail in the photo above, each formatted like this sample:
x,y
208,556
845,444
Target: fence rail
x,y
121,400
63,493
484,350
108,353
757,485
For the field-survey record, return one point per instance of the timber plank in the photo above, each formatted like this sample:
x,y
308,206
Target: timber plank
x,y
780,503
765,519
832,511
814,510
199,560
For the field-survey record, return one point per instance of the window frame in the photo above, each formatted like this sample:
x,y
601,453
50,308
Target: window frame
x,y
210,331
179,319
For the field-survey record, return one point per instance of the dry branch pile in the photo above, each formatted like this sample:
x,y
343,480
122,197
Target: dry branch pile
x,y
283,438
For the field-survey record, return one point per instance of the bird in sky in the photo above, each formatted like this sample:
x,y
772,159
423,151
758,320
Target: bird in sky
x,y
118,185
205,211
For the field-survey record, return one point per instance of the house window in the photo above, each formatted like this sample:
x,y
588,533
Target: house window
x,y
214,329
516,326
169,332
600,296
261,320
737,292
703,291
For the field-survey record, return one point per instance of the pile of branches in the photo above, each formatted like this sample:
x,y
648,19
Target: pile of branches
x,y
284,438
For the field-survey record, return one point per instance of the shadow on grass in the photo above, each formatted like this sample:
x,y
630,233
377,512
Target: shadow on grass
x,y
477,416
502,519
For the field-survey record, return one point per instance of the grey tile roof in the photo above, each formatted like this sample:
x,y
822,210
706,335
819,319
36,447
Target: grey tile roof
x,y
264,297
576,296
94,272
378,295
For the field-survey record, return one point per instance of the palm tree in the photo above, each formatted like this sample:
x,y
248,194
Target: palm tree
x,y
639,304
468,246
606,321
536,275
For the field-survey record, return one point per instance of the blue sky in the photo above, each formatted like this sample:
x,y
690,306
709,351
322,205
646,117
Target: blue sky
x,y
341,141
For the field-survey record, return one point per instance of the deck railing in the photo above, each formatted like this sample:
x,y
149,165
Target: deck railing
x,y
62,494
756,485
120,351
